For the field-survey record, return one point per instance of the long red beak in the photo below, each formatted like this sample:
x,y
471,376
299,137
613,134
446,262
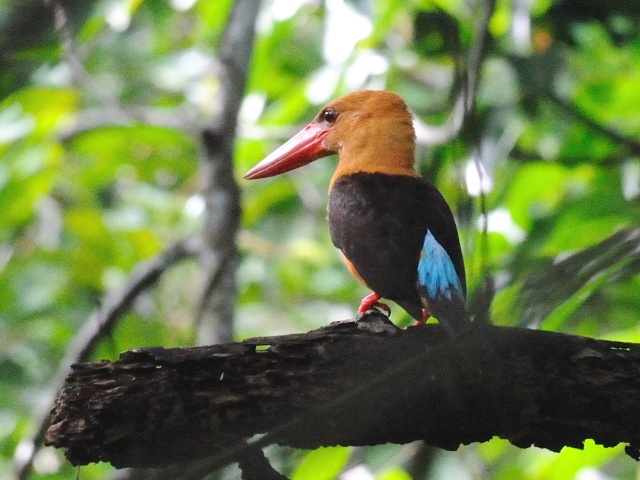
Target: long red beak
x,y
301,149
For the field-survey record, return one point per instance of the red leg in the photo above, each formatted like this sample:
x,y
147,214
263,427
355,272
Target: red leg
x,y
371,301
425,317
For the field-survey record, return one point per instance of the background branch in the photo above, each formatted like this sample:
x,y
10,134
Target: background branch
x,y
103,320
219,256
469,74
612,134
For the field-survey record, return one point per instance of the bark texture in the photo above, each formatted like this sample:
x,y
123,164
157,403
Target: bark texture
x,y
361,382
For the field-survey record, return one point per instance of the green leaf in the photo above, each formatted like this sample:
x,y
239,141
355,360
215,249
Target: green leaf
x,y
324,463
395,474
571,460
48,106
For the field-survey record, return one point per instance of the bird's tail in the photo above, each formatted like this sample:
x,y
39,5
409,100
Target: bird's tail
x,y
451,311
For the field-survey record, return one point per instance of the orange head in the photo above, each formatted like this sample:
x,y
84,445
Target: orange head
x,y
370,130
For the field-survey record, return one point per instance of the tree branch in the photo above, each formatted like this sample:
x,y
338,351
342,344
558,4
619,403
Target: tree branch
x,y
631,144
362,382
221,219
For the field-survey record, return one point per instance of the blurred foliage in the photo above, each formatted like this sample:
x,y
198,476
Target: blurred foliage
x,y
322,464
99,171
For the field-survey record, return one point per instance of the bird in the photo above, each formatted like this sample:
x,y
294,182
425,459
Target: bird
x,y
395,230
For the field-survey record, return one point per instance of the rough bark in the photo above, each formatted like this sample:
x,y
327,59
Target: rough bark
x,y
359,382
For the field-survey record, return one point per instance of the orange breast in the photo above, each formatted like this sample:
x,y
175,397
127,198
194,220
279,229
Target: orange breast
x,y
353,270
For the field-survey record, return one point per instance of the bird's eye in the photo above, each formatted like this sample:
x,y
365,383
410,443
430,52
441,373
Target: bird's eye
x,y
330,115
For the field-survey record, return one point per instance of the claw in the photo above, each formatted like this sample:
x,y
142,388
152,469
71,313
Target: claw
x,y
371,301
425,316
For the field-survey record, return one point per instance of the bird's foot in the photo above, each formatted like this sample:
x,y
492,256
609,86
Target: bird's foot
x,y
371,301
425,316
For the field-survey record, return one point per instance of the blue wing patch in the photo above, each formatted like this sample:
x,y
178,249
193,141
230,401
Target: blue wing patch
x,y
436,272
